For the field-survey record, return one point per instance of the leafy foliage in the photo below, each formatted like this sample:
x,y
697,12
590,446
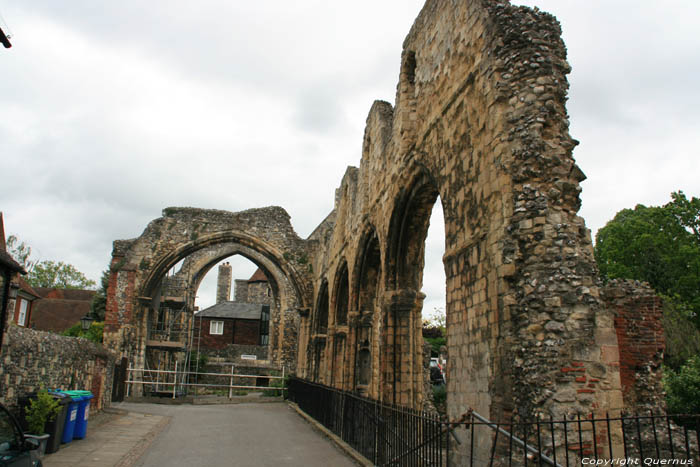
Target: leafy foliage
x,y
682,338
659,245
277,383
94,333
20,251
440,398
435,344
683,387
434,330
41,410
98,306
58,274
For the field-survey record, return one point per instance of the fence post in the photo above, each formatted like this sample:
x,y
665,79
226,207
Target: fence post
x,y
128,378
230,384
175,380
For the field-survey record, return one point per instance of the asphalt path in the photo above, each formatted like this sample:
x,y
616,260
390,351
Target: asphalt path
x,y
249,434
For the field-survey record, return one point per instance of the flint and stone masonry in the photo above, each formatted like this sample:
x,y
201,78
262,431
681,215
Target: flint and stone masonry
x,y
479,125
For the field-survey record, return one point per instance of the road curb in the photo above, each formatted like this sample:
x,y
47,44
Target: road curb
x,y
359,458
130,458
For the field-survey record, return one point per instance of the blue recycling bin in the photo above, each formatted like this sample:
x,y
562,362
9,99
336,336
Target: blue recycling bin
x,y
81,421
71,417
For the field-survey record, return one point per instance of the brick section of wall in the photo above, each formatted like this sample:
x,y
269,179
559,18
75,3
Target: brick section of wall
x,y
641,341
215,341
246,332
31,360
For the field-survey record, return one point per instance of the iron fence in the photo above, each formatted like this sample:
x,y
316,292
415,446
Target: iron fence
x,y
398,436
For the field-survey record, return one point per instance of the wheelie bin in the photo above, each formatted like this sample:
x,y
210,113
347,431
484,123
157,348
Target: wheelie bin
x,y
55,427
71,416
83,413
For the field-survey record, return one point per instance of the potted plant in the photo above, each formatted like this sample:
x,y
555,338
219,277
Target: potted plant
x,y
41,410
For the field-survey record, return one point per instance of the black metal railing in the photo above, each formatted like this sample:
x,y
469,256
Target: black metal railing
x,y
384,434
399,436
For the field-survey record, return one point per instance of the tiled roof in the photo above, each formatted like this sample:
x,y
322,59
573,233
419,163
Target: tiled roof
x,y
258,276
57,315
234,310
25,287
66,294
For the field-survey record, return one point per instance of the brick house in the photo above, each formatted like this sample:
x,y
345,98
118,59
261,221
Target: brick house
x,y
233,323
26,299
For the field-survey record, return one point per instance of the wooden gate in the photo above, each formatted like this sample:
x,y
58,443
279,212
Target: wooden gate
x,y
119,382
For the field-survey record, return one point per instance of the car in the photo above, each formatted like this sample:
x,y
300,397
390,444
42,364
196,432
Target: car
x,y
437,374
16,450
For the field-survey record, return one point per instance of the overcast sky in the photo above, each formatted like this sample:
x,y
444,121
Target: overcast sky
x,y
111,111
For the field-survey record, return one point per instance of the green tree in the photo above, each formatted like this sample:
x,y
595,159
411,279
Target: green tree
x,y
683,388
20,251
659,245
59,275
98,306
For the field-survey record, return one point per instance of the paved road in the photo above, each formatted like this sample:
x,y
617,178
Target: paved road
x,y
241,435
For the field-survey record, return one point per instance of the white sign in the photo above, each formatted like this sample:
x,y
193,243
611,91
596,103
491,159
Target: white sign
x,y
249,357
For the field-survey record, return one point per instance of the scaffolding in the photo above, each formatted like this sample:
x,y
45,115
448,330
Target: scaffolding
x,y
169,337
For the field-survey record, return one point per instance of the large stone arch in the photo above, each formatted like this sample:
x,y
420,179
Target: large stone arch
x,y
138,266
480,114
200,259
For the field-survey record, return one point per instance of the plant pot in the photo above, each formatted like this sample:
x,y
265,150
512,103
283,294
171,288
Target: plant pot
x,y
43,439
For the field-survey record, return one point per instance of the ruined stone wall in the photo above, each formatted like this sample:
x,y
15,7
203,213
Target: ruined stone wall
x,y
641,342
480,121
31,360
265,236
232,353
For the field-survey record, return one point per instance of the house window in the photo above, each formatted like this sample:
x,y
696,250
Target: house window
x,y
23,304
265,325
216,327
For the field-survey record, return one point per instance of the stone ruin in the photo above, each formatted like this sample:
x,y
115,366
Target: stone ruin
x,y
479,124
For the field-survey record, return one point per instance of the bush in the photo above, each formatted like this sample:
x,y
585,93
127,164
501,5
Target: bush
x,y
41,410
683,388
440,398
276,383
93,334
435,344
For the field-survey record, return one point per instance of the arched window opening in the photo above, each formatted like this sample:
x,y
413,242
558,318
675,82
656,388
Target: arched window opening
x,y
369,274
322,310
342,297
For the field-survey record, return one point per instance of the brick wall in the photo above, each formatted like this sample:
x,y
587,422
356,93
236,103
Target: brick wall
x,y
31,360
641,341
239,331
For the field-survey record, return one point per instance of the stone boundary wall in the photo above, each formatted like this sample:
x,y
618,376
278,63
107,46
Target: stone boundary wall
x,y
31,360
233,352
640,335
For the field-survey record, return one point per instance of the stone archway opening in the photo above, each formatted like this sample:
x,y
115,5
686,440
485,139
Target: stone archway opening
x,y
319,332
235,302
364,322
405,358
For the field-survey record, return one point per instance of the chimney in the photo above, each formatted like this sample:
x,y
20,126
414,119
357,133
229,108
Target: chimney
x,y
223,283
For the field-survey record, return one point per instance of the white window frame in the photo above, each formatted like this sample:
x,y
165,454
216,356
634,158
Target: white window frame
x,y
23,307
216,328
